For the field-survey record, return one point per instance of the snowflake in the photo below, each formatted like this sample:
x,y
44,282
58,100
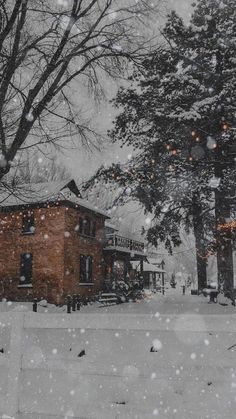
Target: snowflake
x,y
29,117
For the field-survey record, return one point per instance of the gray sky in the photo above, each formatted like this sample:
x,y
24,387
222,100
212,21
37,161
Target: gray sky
x,y
82,163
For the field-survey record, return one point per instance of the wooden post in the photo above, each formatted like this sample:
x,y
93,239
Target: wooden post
x,y
78,304
35,306
68,301
141,266
163,277
10,402
74,302
141,278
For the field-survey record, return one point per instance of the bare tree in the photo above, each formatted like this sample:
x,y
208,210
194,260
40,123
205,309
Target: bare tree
x,y
44,47
37,168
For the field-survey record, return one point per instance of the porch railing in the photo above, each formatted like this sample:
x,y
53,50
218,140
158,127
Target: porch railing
x,y
116,241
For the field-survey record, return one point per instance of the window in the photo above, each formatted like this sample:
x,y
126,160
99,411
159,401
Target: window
x,y
93,228
87,225
86,268
26,269
28,222
81,225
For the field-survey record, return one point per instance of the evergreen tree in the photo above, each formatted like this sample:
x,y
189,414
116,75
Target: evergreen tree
x,y
179,115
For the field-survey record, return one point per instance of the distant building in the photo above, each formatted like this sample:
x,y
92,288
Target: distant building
x,y
152,271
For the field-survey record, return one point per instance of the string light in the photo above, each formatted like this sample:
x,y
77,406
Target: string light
x,y
204,257
227,226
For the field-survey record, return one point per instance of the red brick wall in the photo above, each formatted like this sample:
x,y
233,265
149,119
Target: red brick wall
x,y
56,247
47,247
75,245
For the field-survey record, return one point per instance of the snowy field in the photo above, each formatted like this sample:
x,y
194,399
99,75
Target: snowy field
x,y
137,360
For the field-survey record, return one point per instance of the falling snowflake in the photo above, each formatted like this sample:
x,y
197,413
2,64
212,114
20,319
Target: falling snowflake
x,y
156,345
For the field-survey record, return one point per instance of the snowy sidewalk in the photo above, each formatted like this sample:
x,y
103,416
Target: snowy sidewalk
x,y
173,302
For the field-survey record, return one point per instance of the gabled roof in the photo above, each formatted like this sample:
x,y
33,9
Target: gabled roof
x,y
147,267
39,193
153,261
111,226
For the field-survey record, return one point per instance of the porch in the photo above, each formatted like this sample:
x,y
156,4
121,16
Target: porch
x,y
152,272
119,252
124,244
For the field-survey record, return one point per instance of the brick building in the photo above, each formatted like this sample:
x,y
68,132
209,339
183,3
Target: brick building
x,y
51,243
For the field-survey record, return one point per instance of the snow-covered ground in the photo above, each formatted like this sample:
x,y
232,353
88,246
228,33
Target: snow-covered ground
x,y
172,302
169,356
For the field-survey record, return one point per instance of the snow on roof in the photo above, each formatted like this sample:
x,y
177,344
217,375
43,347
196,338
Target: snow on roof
x,y
36,193
147,267
111,225
153,261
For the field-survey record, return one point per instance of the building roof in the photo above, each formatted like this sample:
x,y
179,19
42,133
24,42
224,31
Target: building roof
x,y
147,267
39,193
154,261
111,226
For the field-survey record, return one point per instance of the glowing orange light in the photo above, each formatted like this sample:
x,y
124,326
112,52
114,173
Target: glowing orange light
x,y
227,226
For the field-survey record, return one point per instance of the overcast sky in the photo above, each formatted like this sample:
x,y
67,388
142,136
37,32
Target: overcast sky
x,y
81,163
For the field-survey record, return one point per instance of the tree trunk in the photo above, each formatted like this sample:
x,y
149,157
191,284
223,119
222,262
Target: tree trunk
x,y
224,244
223,231
200,243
